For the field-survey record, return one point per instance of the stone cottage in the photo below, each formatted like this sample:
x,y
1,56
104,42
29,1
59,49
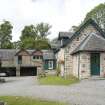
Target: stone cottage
x,y
63,39
83,55
15,62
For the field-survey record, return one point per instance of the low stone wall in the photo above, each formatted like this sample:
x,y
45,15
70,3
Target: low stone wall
x,y
102,64
85,70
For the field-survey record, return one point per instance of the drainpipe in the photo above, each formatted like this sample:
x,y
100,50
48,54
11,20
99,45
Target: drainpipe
x,y
79,66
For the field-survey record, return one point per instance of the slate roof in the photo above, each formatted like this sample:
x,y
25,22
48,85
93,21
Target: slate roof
x,y
48,55
65,35
85,24
7,54
92,42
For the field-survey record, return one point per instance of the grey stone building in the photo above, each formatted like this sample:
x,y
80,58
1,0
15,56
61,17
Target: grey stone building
x,y
83,55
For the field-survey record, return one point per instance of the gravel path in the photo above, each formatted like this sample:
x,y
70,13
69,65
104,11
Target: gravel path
x,y
87,92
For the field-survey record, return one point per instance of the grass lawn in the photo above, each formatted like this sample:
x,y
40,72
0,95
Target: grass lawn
x,y
15,100
55,80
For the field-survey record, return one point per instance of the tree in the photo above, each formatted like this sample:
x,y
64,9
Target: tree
x,y
97,14
7,45
17,44
5,35
34,36
29,32
42,44
43,29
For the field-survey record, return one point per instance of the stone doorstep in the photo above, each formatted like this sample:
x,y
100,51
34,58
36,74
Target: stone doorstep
x,y
96,78
93,78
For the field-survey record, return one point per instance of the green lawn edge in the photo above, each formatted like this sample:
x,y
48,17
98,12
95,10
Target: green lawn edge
x,y
19,100
57,80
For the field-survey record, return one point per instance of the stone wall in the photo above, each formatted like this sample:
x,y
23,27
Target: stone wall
x,y
75,65
75,42
82,62
102,64
84,70
81,65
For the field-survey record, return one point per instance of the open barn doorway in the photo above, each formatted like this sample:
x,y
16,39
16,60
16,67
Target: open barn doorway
x,y
28,71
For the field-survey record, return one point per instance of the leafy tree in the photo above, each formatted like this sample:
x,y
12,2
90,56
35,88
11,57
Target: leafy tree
x,y
5,35
28,43
98,14
42,44
35,36
17,44
29,32
7,45
43,29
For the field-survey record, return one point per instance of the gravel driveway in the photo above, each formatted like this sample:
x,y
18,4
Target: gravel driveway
x,y
87,92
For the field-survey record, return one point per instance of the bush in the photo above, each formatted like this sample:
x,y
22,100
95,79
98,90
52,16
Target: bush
x,y
41,75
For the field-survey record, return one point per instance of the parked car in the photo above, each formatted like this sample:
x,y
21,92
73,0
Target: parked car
x,y
3,74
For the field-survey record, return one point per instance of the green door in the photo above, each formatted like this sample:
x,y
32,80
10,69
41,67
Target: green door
x,y
95,64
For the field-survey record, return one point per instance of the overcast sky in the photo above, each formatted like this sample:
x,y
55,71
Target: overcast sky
x,y
61,14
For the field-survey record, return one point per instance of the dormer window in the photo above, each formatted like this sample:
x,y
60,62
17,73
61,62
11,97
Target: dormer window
x,y
34,57
37,55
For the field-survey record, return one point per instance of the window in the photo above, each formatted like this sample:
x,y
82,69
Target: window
x,y
41,57
34,57
37,57
19,59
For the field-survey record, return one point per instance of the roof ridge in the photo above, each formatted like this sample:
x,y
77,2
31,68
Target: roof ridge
x,y
89,21
98,36
82,45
